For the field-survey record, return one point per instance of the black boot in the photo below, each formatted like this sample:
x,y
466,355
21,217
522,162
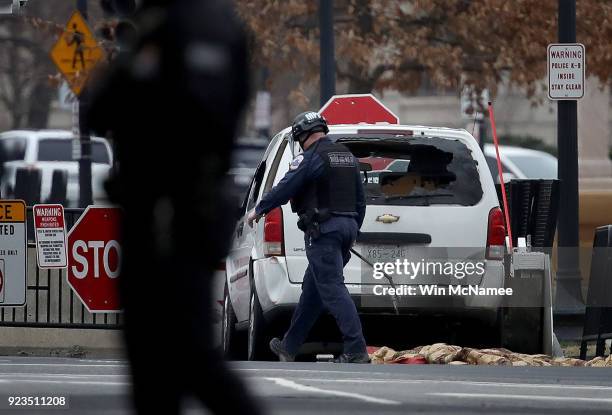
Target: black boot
x,y
277,348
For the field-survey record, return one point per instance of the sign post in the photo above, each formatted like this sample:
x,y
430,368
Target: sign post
x,y
327,53
75,54
94,259
13,253
474,108
567,89
50,234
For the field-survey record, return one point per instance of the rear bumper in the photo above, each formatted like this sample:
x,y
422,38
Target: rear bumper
x,y
283,312
277,295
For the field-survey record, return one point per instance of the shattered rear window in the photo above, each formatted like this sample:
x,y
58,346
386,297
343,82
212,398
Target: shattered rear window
x,y
416,171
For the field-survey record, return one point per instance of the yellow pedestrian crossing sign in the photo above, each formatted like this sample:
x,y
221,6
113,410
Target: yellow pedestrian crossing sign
x,y
76,52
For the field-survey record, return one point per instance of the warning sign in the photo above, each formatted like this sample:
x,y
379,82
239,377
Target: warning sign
x,y
50,233
76,52
566,70
13,252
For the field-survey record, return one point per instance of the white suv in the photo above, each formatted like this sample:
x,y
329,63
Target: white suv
x,y
266,263
50,150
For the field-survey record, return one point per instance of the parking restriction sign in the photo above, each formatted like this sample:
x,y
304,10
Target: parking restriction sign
x,y
50,233
13,252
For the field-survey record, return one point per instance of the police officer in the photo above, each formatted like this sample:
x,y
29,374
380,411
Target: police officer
x,y
326,191
185,73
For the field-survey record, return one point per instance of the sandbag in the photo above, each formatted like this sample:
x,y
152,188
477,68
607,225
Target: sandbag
x,y
442,353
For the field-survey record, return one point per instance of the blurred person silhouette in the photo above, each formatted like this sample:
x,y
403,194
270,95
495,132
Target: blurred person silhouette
x,y
171,103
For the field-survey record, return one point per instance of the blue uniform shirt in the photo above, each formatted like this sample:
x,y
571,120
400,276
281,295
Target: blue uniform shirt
x,y
304,168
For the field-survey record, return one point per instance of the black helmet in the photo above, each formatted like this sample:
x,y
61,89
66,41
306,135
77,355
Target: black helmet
x,y
308,122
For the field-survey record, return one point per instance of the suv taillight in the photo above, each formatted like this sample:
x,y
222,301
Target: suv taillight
x,y
273,233
496,234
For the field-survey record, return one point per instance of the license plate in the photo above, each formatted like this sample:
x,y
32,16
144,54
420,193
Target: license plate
x,y
384,253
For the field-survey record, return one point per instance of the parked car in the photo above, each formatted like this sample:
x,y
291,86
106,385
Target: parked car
x,y
455,205
50,150
521,163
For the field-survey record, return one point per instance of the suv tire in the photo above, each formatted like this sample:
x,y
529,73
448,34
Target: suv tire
x,y
232,342
258,337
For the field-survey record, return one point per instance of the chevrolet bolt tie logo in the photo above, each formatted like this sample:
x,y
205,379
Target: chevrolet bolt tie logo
x,y
387,218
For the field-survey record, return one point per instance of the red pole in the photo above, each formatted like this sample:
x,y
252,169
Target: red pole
x,y
501,174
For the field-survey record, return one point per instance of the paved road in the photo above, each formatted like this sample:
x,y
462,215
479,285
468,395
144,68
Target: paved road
x,y
102,387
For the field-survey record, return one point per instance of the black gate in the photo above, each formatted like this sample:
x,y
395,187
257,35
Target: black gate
x,y
50,302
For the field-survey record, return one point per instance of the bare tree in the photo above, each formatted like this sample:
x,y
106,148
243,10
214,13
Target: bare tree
x,y
398,44
28,78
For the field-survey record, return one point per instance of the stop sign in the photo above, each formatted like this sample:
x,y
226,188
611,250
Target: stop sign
x,y
94,258
355,109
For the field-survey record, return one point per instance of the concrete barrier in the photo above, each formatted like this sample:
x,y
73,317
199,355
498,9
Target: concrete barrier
x,y
61,342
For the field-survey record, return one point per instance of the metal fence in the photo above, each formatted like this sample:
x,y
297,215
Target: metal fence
x,y
50,302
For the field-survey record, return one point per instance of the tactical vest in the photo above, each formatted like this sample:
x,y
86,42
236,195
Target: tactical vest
x,y
335,189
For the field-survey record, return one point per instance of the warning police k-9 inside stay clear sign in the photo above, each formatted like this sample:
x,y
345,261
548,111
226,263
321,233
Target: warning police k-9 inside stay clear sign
x,y
50,233
566,72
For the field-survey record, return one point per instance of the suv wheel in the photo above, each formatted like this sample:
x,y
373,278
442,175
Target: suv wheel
x,y
258,338
230,341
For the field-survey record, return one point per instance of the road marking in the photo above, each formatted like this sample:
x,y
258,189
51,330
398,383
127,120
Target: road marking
x,y
300,370
523,397
63,364
305,388
60,375
463,382
66,382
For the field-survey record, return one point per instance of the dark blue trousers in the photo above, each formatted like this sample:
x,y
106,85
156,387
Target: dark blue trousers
x,y
323,288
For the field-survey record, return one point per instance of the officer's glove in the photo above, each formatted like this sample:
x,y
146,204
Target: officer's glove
x,y
253,217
